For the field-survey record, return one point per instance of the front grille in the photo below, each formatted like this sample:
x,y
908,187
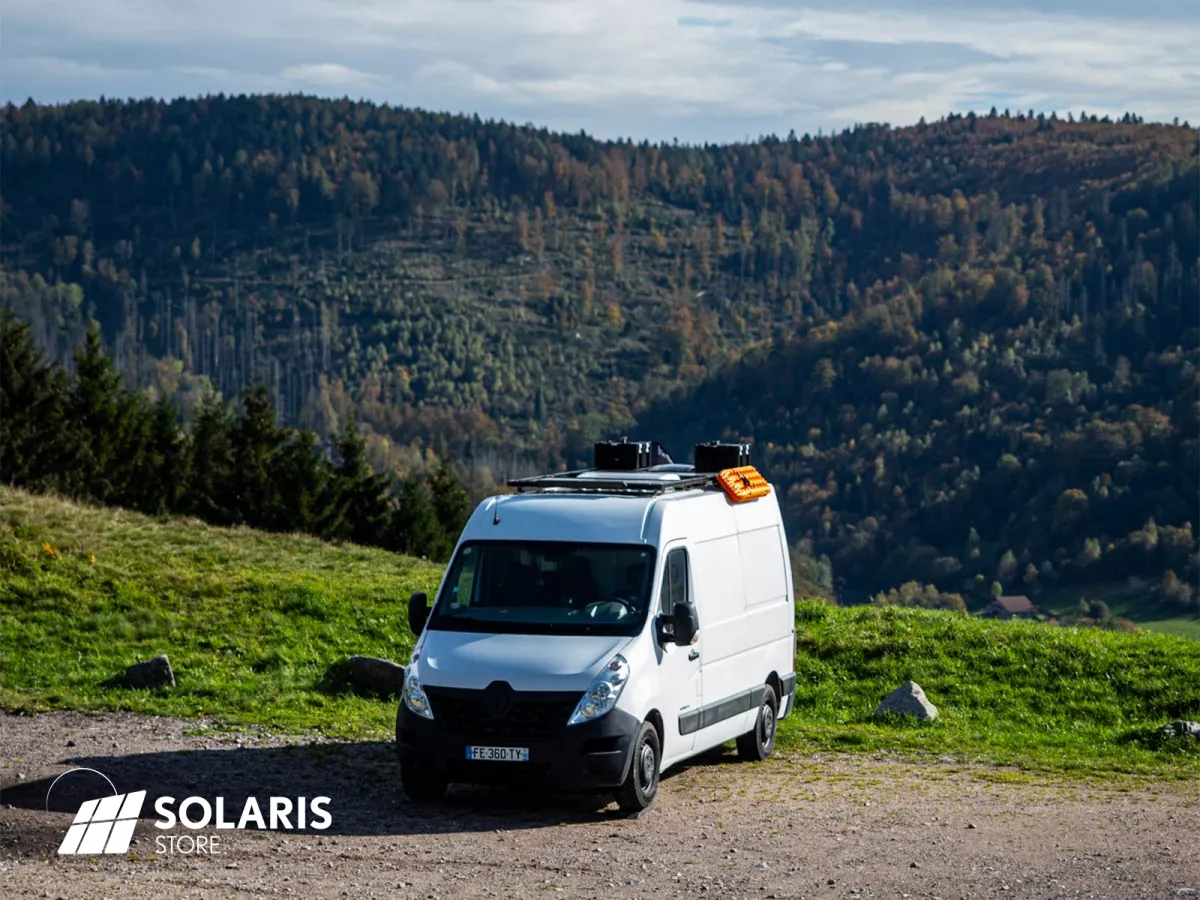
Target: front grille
x,y
533,714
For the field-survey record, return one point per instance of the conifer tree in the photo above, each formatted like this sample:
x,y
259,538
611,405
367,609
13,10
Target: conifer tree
x,y
170,458
101,457
415,528
451,506
255,440
137,476
33,437
300,482
361,508
210,458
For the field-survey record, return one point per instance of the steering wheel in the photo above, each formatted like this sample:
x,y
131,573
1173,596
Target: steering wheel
x,y
626,609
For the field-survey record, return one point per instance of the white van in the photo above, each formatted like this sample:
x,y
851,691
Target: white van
x,y
600,626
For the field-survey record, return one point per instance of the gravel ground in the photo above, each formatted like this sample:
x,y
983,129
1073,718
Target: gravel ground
x,y
799,826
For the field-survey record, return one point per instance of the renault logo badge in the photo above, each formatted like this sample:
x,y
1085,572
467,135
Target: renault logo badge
x,y
498,699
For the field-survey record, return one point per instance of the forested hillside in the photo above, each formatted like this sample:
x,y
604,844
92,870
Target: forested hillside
x,y
966,350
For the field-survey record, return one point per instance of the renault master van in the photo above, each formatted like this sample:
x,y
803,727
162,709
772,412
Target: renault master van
x,y
600,626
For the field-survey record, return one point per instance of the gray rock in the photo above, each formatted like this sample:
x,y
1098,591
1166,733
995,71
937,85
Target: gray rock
x,y
908,700
1181,728
150,674
375,676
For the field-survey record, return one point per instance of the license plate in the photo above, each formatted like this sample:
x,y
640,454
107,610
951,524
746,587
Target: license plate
x,y
499,754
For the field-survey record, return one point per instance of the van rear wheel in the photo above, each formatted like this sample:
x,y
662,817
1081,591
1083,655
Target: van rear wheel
x,y
757,745
641,782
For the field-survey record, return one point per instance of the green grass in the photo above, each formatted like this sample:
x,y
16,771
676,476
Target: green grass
x,y
1022,693
1124,600
253,622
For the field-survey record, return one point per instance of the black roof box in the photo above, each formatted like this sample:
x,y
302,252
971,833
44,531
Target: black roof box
x,y
715,456
628,456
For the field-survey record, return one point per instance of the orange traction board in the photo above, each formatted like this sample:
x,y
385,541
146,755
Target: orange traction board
x,y
742,484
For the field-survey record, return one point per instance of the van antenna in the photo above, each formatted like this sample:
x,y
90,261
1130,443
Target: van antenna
x,y
496,511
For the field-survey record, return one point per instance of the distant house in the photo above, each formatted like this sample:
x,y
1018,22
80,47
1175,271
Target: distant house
x,y
1017,607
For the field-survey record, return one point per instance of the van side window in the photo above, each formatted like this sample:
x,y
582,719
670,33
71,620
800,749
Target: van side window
x,y
675,581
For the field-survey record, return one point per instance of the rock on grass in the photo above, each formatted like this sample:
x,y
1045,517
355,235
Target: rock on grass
x,y
150,674
369,675
908,700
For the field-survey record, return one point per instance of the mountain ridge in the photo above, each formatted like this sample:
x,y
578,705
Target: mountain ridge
x,y
506,296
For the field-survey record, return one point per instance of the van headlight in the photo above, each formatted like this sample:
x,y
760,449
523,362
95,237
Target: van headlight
x,y
602,696
414,694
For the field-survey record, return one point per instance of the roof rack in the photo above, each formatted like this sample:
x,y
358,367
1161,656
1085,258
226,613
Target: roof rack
x,y
571,482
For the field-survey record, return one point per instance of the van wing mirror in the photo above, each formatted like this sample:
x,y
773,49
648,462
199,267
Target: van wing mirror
x,y
686,624
418,612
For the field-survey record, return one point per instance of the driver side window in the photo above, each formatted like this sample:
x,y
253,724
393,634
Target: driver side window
x,y
675,581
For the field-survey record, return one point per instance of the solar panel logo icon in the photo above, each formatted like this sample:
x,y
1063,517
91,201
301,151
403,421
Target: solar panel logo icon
x,y
103,826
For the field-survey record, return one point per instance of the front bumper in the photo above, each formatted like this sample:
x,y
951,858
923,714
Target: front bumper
x,y
575,757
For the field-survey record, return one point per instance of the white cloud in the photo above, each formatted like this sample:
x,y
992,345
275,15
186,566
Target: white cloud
x,y
69,70
653,68
327,75
203,71
459,76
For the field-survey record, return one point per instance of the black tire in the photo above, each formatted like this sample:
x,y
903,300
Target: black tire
x,y
757,745
417,786
638,789
420,788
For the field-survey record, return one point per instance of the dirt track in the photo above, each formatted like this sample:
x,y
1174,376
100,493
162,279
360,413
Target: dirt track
x,y
799,826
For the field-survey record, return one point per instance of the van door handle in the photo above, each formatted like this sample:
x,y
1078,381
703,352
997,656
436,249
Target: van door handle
x,y
694,654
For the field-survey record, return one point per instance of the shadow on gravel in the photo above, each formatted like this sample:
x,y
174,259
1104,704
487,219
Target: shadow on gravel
x,y
361,779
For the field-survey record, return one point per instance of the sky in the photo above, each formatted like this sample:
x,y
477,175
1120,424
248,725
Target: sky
x,y
654,69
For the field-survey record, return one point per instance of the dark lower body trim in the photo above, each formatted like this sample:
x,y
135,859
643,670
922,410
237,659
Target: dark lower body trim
x,y
721,710
588,756
787,684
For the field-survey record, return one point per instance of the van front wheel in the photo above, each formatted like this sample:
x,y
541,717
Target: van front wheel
x,y
757,745
641,782
420,788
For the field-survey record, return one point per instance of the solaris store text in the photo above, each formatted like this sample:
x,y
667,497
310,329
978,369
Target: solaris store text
x,y
196,812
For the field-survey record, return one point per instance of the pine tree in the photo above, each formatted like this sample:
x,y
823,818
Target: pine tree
x,y
137,479
210,457
255,440
34,442
300,480
169,453
100,456
415,528
451,506
361,507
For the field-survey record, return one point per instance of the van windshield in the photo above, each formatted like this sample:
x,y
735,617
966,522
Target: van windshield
x,y
546,587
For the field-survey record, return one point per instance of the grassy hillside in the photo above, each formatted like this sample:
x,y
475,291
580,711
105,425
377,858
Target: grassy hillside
x,y
1018,692
252,621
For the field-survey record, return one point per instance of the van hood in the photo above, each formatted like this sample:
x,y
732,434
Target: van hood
x,y
528,662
